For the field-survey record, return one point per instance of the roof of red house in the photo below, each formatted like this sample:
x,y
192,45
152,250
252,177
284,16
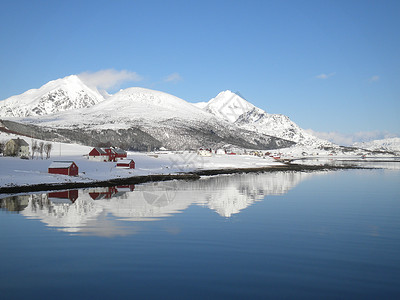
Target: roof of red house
x,y
100,150
119,151
60,164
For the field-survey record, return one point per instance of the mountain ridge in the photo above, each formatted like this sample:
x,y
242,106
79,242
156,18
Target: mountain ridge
x,y
234,108
227,120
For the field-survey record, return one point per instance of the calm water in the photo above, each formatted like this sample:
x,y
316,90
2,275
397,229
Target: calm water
x,y
328,235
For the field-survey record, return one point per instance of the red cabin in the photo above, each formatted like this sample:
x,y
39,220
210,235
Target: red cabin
x,y
107,154
126,163
64,168
119,153
98,154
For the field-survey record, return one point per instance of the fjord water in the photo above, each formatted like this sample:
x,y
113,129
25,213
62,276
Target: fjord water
x,y
320,235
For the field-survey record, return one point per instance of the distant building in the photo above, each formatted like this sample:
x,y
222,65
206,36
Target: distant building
x,y
119,153
64,168
98,154
204,152
16,147
126,164
107,154
220,152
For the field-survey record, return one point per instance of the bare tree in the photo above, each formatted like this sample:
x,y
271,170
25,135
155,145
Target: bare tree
x,y
47,149
40,149
35,148
2,145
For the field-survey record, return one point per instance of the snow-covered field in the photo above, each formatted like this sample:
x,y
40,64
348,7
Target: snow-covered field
x,y
17,172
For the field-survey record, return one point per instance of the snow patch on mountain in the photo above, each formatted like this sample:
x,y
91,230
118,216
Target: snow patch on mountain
x,y
55,96
390,144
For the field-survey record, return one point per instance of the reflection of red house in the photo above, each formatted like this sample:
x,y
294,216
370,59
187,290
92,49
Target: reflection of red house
x,y
107,154
64,168
126,163
109,192
126,188
70,194
103,193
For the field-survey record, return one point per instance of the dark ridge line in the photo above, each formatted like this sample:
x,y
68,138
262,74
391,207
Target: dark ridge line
x,y
165,177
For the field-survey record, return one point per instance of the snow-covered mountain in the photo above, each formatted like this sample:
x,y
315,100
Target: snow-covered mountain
x,y
143,118
233,108
55,96
391,144
140,118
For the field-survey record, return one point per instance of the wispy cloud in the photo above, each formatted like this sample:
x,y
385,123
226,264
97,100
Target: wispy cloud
x,y
174,77
325,76
347,139
374,78
108,79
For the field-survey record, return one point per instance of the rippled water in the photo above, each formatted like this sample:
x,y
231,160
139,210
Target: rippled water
x,y
320,235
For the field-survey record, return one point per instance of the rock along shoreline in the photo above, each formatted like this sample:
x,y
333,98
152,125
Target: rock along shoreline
x,y
194,175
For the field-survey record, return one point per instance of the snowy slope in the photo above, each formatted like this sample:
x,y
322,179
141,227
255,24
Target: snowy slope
x,y
55,96
391,144
151,105
233,108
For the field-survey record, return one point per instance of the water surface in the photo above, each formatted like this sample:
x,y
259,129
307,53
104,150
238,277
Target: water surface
x,y
319,235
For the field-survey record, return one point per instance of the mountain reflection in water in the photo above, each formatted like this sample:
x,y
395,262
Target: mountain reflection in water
x,y
91,210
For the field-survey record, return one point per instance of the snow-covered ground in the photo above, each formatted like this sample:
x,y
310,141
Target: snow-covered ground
x,y
17,172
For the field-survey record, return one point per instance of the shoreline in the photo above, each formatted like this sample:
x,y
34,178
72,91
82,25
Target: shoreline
x,y
194,175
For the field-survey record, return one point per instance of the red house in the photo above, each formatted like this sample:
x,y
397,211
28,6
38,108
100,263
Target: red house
x,y
107,154
98,154
126,163
64,168
119,153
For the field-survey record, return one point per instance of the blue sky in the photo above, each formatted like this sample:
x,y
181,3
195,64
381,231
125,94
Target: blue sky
x,y
331,66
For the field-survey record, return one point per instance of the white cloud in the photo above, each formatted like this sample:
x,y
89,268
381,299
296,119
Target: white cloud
x,y
347,139
374,78
174,77
108,79
324,76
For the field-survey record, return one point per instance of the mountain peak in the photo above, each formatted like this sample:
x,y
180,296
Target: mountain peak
x,y
55,96
228,106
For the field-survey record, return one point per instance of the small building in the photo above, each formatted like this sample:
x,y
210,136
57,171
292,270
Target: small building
x,y
16,147
64,168
98,154
220,152
126,164
107,154
204,152
119,153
